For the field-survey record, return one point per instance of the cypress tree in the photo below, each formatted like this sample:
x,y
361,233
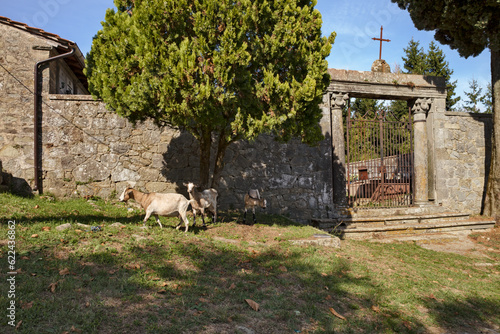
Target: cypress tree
x,y
221,69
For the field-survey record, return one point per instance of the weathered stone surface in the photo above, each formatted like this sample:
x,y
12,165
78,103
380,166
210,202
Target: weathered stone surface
x,y
326,241
91,171
63,227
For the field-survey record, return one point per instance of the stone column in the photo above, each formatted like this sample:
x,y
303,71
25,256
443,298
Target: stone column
x,y
337,103
419,109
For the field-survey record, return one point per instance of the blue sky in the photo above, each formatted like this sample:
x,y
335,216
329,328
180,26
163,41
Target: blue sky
x,y
355,21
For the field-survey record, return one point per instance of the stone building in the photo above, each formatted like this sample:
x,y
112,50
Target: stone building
x,y
81,148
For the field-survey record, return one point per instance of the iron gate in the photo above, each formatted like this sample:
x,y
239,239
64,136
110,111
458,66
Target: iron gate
x,y
379,160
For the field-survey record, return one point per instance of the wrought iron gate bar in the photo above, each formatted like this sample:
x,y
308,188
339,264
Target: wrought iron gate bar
x,y
379,160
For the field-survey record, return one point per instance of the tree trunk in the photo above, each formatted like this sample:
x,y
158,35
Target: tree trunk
x,y
205,147
492,198
219,159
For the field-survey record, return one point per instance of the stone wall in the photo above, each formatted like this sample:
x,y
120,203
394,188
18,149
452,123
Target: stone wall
x,y
88,150
463,146
17,60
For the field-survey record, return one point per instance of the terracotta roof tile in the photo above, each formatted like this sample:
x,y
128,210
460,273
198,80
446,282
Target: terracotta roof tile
x,y
36,31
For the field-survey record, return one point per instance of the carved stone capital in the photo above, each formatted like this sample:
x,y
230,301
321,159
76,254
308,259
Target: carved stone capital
x,y
421,106
338,100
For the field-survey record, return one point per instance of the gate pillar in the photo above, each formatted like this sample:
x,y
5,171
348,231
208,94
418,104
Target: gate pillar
x,y
337,103
419,109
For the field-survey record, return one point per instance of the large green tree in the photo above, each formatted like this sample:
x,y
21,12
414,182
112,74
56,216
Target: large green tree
x,y
470,27
222,70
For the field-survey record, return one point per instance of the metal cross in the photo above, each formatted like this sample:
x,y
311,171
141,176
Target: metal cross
x,y
381,40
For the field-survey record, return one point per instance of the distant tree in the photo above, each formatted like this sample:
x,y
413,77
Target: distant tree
x,y
365,107
417,61
399,108
414,62
474,97
436,65
470,27
487,99
222,70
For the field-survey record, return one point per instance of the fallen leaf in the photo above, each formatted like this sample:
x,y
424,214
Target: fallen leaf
x,y
233,286
37,206
252,304
376,308
76,330
78,231
203,300
87,304
52,287
335,313
64,271
19,324
328,297
34,235
26,306
46,228
25,258
324,274
283,269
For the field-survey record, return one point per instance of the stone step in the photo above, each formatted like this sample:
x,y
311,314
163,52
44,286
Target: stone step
x,y
357,232
381,220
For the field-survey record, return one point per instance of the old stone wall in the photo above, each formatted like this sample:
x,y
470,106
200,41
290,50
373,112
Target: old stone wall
x,y
88,150
17,60
463,146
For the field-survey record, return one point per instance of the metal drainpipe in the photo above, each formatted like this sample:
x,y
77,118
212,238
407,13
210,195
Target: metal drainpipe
x,y
38,96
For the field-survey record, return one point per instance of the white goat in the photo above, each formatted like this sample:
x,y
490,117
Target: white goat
x,y
252,199
156,204
207,199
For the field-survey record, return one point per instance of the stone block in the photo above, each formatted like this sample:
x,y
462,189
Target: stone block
x,y
124,174
90,170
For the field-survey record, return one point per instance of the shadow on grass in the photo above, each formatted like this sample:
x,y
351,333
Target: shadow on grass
x,y
469,314
189,285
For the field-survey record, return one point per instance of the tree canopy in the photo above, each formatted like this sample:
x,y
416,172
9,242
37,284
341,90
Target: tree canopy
x,y
222,70
469,27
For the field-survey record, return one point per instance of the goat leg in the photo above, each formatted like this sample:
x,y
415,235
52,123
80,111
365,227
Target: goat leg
x,y
148,214
158,221
194,218
245,217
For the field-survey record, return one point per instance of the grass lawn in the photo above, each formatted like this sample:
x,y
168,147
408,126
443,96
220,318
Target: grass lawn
x,y
132,280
